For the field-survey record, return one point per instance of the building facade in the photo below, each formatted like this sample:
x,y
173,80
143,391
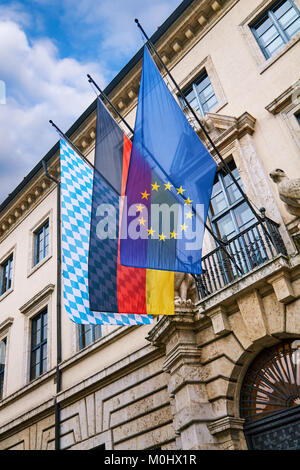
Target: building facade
x,y
223,373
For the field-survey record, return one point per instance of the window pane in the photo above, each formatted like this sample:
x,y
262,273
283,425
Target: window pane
x,y
269,36
274,46
39,345
98,331
244,216
262,28
210,103
202,82
218,204
288,18
233,193
282,9
225,227
2,353
293,28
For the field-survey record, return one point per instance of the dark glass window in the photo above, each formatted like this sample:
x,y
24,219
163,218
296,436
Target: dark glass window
x,y
2,364
298,117
88,334
276,26
200,94
41,243
6,275
38,361
228,213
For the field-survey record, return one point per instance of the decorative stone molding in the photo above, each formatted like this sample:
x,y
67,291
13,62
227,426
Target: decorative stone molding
x,y
219,321
223,424
283,100
37,298
28,199
282,287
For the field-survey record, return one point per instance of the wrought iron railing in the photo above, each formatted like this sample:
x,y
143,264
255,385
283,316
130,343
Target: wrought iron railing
x,y
241,254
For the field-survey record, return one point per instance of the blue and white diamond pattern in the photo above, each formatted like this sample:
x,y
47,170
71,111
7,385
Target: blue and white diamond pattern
x,y
76,201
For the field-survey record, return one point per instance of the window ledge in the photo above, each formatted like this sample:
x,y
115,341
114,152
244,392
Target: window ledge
x,y
279,53
37,266
6,293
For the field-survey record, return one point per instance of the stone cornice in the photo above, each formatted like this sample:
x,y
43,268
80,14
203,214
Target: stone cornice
x,y
196,21
28,199
37,298
285,99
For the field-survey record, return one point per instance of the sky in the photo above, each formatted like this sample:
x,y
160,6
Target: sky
x,y
46,49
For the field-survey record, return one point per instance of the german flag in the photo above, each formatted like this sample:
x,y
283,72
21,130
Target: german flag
x,y
113,287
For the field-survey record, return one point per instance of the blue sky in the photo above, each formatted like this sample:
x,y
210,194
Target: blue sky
x,y
47,48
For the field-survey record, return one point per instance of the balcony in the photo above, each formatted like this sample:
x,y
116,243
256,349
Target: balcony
x,y
240,255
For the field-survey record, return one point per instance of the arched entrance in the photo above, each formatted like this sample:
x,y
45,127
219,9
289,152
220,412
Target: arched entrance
x,y
270,398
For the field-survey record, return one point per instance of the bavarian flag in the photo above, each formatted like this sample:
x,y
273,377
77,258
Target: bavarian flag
x,y
170,179
113,287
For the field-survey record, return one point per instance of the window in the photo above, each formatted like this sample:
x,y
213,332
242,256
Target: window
x,y
276,26
41,243
2,364
6,275
298,118
228,213
88,334
38,360
200,94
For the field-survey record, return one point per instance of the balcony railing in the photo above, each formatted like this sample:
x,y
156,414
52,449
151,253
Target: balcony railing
x,y
254,246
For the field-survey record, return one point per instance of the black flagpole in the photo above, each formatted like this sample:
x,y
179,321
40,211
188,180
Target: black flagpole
x,y
198,121
91,80
220,242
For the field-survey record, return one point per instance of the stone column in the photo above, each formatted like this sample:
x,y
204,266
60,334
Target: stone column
x,y
191,409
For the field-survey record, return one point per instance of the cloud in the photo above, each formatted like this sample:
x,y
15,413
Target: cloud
x,y
46,78
39,86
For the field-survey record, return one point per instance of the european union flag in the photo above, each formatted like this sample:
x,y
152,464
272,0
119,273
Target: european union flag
x,y
170,179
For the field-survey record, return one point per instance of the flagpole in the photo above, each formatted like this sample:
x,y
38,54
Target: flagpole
x,y
220,242
198,120
91,80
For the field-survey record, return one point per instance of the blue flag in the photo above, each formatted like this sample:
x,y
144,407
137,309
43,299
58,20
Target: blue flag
x,y
169,185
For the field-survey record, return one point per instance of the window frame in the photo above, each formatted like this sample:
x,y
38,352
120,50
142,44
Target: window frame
x,y
3,368
82,335
230,207
269,14
46,248
9,259
43,341
193,87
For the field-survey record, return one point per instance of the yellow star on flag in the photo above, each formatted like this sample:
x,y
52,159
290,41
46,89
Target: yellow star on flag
x,y
168,186
162,237
145,195
184,227
150,232
180,190
173,234
189,215
139,208
187,202
142,221
155,186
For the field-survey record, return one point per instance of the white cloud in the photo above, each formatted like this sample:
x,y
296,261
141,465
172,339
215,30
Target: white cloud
x,y
39,86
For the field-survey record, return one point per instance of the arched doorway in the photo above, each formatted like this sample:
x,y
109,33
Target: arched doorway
x,y
270,398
